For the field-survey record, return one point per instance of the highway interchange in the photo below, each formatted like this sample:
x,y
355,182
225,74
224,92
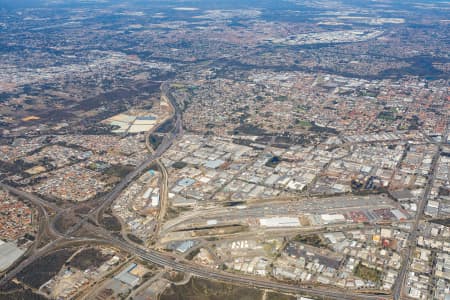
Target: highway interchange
x,y
50,212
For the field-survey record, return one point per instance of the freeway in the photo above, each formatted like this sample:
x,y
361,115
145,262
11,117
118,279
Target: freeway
x,y
59,243
163,197
165,144
44,227
153,256
164,175
167,260
184,266
105,201
41,206
30,197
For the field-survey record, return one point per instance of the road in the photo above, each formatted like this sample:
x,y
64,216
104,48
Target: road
x,y
30,197
105,201
165,144
412,239
200,271
41,206
225,215
153,256
167,260
163,195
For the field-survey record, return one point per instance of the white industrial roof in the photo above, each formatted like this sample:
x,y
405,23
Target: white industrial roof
x,y
9,253
280,222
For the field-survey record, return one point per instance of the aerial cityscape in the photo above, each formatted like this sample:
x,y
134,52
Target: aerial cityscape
x,y
223,149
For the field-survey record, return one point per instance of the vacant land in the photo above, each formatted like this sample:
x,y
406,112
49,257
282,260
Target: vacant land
x,y
119,170
312,240
66,221
44,268
111,223
22,295
278,296
201,289
367,273
89,258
